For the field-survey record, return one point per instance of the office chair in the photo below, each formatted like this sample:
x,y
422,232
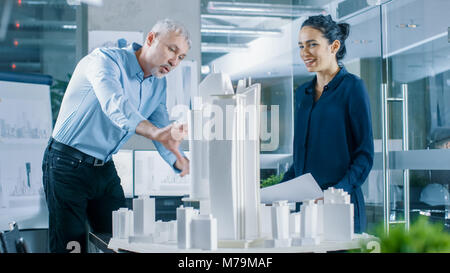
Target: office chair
x,y
11,242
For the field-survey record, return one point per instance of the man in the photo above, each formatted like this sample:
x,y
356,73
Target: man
x,y
113,94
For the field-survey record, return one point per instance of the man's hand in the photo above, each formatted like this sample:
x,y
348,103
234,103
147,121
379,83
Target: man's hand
x,y
170,137
318,199
183,165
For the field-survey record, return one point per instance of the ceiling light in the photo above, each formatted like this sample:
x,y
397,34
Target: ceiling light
x,y
37,3
262,9
97,3
407,25
361,41
222,48
46,24
248,32
69,26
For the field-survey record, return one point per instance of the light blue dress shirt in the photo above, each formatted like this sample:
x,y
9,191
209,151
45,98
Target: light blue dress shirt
x,y
107,97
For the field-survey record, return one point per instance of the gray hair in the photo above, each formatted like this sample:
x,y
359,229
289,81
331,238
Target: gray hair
x,y
168,25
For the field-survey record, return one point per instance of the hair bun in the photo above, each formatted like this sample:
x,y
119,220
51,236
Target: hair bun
x,y
331,30
345,30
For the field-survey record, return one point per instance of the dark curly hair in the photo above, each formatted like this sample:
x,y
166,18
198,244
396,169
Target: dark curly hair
x,y
331,31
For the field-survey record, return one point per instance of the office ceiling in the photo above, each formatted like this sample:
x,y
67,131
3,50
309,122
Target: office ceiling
x,y
415,35
231,35
246,21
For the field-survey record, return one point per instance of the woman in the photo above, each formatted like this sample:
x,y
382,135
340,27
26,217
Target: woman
x,y
333,129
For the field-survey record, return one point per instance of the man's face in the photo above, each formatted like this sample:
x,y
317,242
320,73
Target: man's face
x,y
166,51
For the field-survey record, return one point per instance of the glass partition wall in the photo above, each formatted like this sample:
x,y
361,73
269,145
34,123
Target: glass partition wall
x,y
257,41
364,59
416,54
401,50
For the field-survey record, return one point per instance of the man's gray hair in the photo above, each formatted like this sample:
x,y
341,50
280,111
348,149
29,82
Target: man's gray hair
x,y
168,25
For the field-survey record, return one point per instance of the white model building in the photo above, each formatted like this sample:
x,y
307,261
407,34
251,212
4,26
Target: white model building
x,y
336,196
280,220
122,223
308,230
139,226
184,219
320,222
280,225
172,229
337,215
266,220
294,224
213,84
165,231
204,232
161,234
194,230
225,159
144,216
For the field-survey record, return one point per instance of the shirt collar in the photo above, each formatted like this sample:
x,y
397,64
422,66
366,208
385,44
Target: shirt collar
x,y
332,84
134,67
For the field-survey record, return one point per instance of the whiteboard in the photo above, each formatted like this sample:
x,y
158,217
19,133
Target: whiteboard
x,y
25,128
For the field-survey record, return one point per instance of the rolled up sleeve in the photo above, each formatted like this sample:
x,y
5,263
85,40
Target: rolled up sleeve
x,y
104,76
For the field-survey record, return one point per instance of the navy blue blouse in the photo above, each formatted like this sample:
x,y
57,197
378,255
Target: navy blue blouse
x,y
333,137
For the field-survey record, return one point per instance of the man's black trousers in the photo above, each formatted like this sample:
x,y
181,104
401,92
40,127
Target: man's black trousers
x,y
78,193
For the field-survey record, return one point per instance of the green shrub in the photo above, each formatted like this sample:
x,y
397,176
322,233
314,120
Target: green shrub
x,y
272,180
423,237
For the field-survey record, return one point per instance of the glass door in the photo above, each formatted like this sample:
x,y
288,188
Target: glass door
x,y
416,110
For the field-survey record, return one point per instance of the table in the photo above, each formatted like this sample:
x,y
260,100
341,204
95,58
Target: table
x,y
100,241
108,244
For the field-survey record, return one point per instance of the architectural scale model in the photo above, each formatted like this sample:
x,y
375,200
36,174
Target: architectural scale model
x,y
224,151
224,159
338,214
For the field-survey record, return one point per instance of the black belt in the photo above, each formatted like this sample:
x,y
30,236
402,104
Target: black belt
x,y
82,157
